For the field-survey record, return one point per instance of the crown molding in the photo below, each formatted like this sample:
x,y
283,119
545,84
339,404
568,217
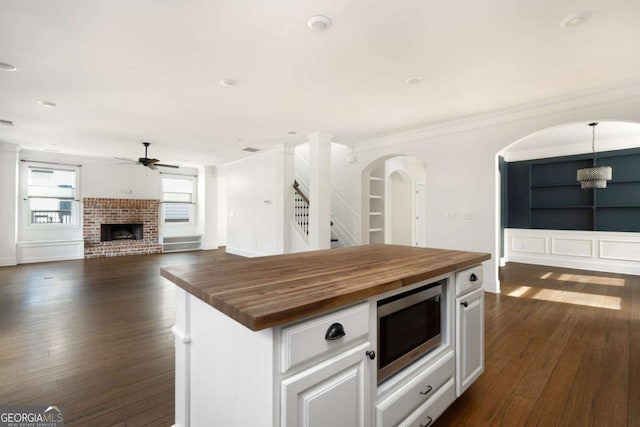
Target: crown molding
x,y
7,146
614,91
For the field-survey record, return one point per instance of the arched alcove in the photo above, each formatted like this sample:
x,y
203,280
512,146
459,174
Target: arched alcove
x,y
562,224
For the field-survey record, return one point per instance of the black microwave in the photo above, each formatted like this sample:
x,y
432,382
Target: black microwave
x,y
409,326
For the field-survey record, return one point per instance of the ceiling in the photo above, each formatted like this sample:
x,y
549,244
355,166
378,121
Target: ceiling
x,y
122,72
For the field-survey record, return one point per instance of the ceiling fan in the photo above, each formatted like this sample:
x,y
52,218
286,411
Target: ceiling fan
x,y
146,161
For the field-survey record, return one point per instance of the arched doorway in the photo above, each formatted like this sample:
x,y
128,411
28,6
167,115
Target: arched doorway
x,y
393,202
399,213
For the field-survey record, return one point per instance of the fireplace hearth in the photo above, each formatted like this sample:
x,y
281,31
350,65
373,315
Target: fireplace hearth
x,y
109,232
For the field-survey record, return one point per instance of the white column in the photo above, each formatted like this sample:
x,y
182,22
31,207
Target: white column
x,y
209,218
286,176
320,191
9,201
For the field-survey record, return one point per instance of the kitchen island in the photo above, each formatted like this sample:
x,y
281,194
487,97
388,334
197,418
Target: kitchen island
x,y
253,345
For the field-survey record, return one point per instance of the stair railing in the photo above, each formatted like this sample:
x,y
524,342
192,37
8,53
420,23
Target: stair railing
x,y
301,208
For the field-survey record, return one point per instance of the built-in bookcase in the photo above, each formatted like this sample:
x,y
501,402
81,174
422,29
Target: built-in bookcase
x,y
544,194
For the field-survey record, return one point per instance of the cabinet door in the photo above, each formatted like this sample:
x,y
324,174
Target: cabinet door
x,y
335,393
469,339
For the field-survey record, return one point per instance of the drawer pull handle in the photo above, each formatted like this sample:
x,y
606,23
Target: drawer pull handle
x,y
334,332
465,304
473,277
429,421
427,391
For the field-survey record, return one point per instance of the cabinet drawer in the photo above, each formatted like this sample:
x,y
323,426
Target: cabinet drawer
x,y
307,340
419,389
468,279
429,412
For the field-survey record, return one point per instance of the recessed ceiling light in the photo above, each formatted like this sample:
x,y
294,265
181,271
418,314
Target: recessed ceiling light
x,y
250,149
228,83
574,19
47,104
319,23
413,80
7,67
292,132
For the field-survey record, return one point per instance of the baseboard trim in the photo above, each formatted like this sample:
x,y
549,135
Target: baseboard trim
x,y
8,261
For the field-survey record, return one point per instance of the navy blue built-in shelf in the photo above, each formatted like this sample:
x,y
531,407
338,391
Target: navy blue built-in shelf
x,y
544,193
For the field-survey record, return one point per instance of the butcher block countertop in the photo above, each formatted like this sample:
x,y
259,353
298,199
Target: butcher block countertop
x,y
269,291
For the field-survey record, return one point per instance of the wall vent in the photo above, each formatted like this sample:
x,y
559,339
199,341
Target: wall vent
x,y
250,149
6,122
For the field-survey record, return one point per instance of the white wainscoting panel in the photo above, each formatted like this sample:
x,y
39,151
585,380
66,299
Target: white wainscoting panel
x,y
587,250
623,250
572,247
57,250
529,244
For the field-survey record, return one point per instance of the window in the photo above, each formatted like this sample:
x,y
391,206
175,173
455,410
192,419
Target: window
x,y
178,198
51,195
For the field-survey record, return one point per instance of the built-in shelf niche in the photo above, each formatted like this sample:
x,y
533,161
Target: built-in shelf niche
x,y
544,194
376,205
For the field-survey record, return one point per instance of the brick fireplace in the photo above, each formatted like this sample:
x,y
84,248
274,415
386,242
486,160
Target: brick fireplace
x,y
98,212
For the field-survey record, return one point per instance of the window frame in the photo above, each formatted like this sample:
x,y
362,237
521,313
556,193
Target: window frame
x,y
192,205
27,216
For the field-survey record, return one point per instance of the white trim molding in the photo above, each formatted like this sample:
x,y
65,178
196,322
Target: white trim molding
x,y
587,250
50,250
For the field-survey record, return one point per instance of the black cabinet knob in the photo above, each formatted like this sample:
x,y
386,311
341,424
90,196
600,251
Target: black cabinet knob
x,y
371,354
465,304
473,277
334,332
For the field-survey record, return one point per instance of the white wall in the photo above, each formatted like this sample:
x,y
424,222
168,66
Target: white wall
x,y
257,219
8,197
208,208
222,210
460,160
99,177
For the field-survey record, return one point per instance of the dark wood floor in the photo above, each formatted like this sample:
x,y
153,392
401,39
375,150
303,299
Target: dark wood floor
x,y
93,336
562,346
562,349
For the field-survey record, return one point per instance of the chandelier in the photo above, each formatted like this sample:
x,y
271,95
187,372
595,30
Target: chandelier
x,y
595,177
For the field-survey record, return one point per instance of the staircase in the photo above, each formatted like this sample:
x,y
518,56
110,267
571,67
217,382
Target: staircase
x,y
301,213
301,208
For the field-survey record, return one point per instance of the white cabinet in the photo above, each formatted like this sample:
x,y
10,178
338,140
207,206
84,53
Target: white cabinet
x,y
469,338
424,385
335,393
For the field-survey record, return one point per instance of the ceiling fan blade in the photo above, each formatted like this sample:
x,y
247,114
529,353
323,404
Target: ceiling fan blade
x,y
166,166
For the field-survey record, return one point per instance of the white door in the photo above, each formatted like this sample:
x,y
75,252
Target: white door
x,y
469,339
335,393
421,210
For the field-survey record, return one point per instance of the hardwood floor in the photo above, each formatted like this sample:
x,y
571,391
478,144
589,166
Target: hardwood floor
x,y
562,346
93,336
562,349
